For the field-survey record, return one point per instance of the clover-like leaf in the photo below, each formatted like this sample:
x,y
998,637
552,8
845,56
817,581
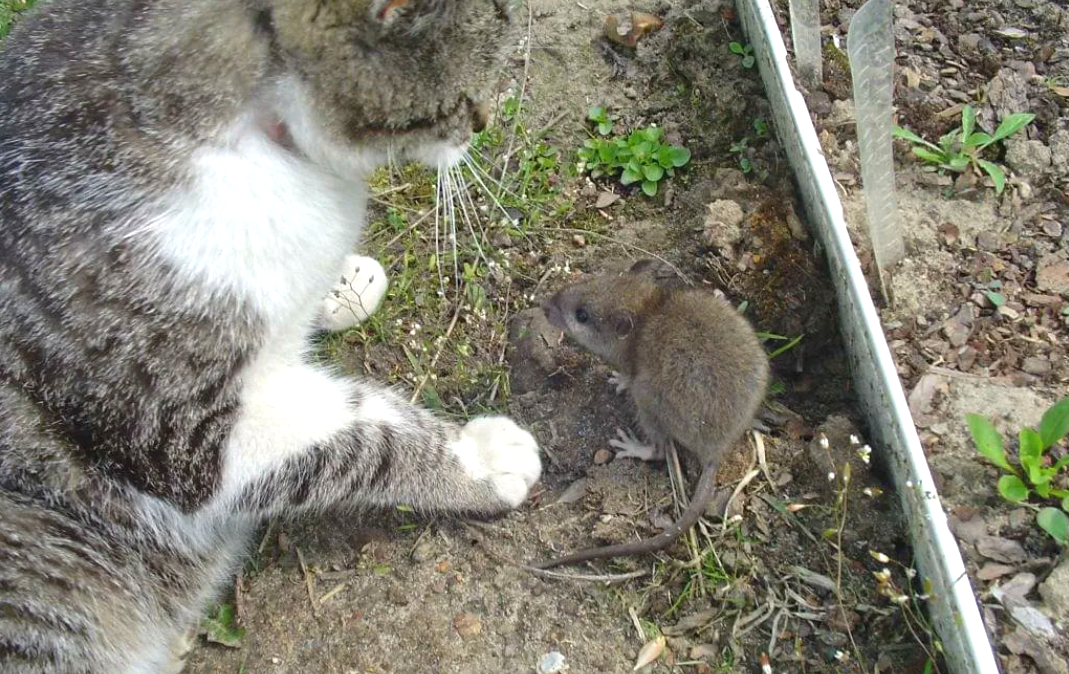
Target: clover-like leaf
x,y
1056,523
653,172
1012,489
649,187
630,176
680,155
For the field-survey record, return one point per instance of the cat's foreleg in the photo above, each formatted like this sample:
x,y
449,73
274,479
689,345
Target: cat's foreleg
x,y
309,440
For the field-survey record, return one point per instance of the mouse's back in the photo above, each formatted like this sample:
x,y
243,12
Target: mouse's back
x,y
700,367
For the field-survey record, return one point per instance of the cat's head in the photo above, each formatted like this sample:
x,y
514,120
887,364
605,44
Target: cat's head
x,y
409,78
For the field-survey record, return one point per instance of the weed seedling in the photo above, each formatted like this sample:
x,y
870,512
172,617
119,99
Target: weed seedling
x,y
744,52
962,148
1038,469
220,627
602,120
639,157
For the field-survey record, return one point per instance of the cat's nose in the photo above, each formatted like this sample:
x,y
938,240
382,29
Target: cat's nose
x,y
480,116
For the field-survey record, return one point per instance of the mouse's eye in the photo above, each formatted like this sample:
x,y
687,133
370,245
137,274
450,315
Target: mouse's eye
x,y
581,315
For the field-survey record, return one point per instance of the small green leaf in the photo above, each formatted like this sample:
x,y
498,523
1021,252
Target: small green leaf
x,y
220,627
1011,124
664,156
595,114
653,172
901,132
988,441
654,133
995,298
630,176
1065,504
958,162
1061,463
979,140
930,156
968,122
607,152
382,570
748,61
649,187
1030,451
605,128
997,176
1055,423
1012,489
680,155
1054,522
736,48
1043,486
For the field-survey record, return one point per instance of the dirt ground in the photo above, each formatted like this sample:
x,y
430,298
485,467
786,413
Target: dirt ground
x,y
811,566
957,352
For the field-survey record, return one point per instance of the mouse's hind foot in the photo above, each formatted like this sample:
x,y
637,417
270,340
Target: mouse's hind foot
x,y
632,448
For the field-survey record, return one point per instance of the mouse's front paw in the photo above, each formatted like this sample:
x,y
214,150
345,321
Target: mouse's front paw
x,y
620,381
497,450
632,448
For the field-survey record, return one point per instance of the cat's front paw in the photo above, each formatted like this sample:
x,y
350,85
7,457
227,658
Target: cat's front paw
x,y
357,294
497,450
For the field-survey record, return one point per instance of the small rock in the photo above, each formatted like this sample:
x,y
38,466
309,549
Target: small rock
x,y
606,199
1001,549
602,456
1059,149
576,490
1038,300
551,663
1037,366
1015,589
993,570
966,358
1052,228
1030,618
579,240
467,625
423,552
1008,312
1052,274
970,530
950,233
1028,158
1020,642
988,240
1055,591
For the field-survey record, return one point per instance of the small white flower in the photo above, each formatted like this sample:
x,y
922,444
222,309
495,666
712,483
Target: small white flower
x,y
823,441
831,476
879,556
854,440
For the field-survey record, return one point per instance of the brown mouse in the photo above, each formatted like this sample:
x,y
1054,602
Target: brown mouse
x,y
695,369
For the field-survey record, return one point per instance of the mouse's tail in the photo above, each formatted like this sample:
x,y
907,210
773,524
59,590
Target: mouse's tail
x,y
702,496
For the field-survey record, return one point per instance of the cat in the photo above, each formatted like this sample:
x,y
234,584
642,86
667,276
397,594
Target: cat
x,y
181,184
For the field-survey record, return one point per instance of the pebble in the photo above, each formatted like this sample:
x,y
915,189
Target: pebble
x,y
1052,274
1036,366
1052,228
551,663
1001,549
988,240
467,625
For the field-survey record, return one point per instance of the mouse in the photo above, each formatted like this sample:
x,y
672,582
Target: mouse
x,y
693,366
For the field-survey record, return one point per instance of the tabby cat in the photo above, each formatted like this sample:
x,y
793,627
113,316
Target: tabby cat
x,y
182,183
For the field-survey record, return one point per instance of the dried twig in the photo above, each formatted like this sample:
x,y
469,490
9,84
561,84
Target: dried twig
x,y
600,578
308,582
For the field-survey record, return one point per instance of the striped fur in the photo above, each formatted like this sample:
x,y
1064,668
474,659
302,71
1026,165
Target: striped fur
x,y
181,182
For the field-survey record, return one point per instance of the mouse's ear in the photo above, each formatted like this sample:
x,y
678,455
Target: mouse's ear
x,y
623,322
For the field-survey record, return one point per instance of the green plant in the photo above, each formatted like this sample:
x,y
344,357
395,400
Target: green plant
x,y
9,10
639,157
220,627
745,52
963,147
602,120
1037,470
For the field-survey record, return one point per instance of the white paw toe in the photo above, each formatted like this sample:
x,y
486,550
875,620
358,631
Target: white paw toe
x,y
496,449
358,293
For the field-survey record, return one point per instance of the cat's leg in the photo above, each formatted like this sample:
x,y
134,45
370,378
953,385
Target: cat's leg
x,y
179,650
358,293
307,439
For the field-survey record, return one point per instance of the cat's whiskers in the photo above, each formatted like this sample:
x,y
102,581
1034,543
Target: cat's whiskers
x,y
451,215
470,216
438,214
475,170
